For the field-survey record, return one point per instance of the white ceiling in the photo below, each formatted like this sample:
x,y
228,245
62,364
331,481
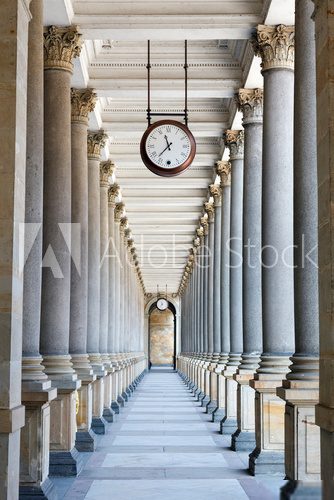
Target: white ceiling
x,y
163,213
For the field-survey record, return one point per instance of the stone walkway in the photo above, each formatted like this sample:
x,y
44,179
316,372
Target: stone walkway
x,y
164,447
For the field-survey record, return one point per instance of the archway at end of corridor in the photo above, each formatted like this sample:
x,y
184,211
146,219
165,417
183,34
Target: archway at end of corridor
x,y
162,337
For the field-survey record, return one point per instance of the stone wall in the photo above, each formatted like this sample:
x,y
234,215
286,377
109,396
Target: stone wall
x,y
161,337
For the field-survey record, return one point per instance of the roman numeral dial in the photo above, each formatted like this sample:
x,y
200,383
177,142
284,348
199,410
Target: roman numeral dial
x,y
167,147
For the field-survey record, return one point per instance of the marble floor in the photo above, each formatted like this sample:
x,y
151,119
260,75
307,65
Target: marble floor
x,y
164,447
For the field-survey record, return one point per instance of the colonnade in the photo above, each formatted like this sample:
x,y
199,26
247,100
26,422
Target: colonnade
x,y
263,386
75,298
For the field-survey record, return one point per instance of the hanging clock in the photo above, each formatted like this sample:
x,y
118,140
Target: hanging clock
x,y
167,148
162,304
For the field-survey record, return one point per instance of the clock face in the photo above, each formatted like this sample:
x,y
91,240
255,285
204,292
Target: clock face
x,y
168,147
162,304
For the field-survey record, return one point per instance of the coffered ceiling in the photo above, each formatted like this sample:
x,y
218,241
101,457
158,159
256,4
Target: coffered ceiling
x,y
163,213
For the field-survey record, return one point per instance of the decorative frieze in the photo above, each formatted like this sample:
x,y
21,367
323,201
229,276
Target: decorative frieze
x,y
223,169
83,102
113,193
250,102
234,140
106,170
95,142
61,46
276,46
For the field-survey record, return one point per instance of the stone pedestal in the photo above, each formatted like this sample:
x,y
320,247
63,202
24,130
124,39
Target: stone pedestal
x,y
219,412
98,421
228,424
35,441
85,440
244,437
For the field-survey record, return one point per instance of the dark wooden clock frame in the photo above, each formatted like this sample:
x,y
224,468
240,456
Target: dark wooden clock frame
x,y
170,172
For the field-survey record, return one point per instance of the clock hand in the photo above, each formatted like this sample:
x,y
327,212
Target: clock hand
x,y
168,147
168,144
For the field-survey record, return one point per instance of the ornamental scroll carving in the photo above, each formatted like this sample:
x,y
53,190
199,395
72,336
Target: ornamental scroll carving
x,y
276,46
106,170
61,46
113,193
234,140
119,211
95,142
224,171
82,103
250,102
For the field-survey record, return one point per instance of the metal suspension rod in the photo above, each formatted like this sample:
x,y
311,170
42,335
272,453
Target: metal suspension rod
x,y
186,82
148,83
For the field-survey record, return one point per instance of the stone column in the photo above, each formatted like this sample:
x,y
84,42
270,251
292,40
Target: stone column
x,y
61,45
106,171
301,389
83,102
250,102
15,17
95,142
36,388
205,325
113,193
234,140
324,28
224,172
275,44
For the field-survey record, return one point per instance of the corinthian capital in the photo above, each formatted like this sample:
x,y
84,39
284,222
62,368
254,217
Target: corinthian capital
x,y
61,45
123,224
205,225
223,169
119,211
216,192
106,171
210,210
95,142
250,102
200,232
234,140
113,192
83,102
276,46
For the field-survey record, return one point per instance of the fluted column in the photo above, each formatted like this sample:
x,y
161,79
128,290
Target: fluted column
x,y
215,192
113,193
15,17
250,102
224,171
275,44
61,45
234,140
95,142
83,101
36,388
301,390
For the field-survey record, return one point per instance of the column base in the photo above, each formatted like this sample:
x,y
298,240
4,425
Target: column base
x,y
108,415
218,414
243,441
99,425
128,392
65,463
125,396
301,490
211,407
205,400
46,491
266,462
85,441
121,401
115,407
228,425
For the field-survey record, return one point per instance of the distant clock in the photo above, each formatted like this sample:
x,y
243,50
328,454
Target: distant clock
x,y
167,148
162,304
